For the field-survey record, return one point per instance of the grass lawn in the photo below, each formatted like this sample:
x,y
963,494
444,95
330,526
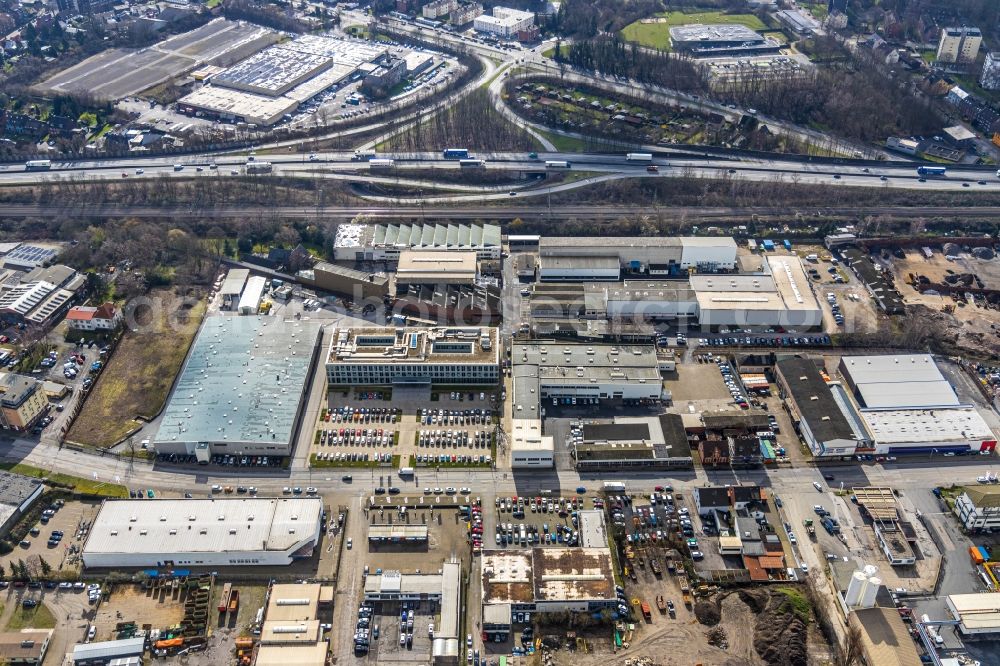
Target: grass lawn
x,y
138,377
550,53
39,617
818,10
657,35
776,35
79,484
565,144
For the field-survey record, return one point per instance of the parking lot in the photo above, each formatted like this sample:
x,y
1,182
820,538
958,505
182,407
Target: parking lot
x,y
425,429
448,537
525,522
73,520
221,460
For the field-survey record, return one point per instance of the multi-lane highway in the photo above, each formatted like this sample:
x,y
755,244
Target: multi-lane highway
x,y
416,169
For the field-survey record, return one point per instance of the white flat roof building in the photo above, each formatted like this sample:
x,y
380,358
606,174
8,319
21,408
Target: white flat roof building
x,y
238,105
901,429
897,381
203,532
977,614
273,71
663,255
233,285
435,267
781,296
252,295
385,242
505,22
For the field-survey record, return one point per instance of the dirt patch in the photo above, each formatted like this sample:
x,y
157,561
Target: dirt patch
x,y
779,618
141,370
738,616
130,603
707,612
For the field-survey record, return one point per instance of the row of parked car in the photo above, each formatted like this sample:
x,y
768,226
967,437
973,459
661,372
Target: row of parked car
x,y
531,535
453,438
231,461
357,437
364,631
347,414
770,341
457,417
353,456
444,459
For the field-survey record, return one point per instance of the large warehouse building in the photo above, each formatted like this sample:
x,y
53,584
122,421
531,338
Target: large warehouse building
x,y
779,295
898,380
782,296
217,532
242,389
908,406
416,356
265,87
385,242
825,419
548,371
886,405
592,257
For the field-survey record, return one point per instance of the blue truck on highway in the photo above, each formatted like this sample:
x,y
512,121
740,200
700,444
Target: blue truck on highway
x,y
931,171
456,153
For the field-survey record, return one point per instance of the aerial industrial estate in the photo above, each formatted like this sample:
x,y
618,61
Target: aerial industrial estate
x,y
657,420
435,332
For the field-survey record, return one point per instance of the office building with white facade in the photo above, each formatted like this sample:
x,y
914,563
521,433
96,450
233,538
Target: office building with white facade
x,y
505,22
978,510
382,356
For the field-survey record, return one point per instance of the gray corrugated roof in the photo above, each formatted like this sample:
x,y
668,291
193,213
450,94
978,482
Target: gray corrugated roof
x,y
242,381
108,649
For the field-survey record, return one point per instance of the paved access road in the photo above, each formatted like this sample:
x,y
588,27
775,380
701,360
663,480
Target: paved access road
x,y
904,476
